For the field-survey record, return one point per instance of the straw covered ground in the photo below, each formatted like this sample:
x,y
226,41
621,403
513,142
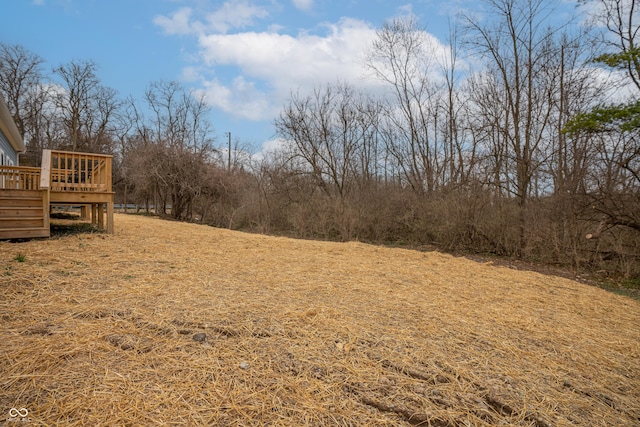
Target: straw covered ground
x,y
169,323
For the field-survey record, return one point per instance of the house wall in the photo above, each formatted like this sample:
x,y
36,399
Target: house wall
x,y
8,155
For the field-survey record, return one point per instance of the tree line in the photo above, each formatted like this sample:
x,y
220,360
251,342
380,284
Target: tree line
x,y
519,139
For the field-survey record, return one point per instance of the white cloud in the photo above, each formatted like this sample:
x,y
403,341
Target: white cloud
x,y
406,9
270,148
273,145
255,72
305,5
178,23
232,14
235,14
240,99
285,63
191,74
38,2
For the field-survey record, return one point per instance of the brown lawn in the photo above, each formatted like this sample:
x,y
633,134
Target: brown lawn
x,y
169,323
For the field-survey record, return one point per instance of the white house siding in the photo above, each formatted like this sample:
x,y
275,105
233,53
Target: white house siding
x,y
8,155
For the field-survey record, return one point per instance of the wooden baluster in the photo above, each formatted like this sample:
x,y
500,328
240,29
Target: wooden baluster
x,y
85,176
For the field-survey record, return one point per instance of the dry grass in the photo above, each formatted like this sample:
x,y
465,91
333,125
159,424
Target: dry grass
x,y
99,330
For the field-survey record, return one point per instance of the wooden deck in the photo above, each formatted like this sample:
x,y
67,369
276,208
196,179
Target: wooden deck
x,y
65,178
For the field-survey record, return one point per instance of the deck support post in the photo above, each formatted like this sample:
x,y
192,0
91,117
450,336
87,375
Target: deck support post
x,y
110,227
101,215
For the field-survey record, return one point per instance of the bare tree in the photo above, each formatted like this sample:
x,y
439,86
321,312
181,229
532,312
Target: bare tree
x,y
402,56
99,123
79,82
612,189
619,18
516,45
86,107
332,132
172,148
459,154
21,85
20,75
333,143
45,127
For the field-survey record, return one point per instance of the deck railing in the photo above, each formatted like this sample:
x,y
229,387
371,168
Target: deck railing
x,y
19,178
76,172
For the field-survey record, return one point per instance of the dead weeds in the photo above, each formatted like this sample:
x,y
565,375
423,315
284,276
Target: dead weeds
x,y
167,323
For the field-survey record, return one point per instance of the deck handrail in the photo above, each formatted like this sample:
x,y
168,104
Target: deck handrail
x,y
20,178
74,171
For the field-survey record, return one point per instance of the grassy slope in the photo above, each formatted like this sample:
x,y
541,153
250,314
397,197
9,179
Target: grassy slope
x,y
98,330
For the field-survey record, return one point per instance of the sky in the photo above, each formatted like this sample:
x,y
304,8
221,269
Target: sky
x,y
246,56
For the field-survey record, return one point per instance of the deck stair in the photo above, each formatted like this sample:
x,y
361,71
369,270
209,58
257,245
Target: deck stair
x,y
23,214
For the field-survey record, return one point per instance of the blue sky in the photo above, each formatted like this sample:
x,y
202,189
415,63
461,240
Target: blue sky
x,y
247,56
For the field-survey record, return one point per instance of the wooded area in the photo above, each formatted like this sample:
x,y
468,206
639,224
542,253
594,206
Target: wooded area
x,y
520,140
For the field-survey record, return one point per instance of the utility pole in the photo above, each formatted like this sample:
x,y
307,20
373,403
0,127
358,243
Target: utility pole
x,y
229,152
